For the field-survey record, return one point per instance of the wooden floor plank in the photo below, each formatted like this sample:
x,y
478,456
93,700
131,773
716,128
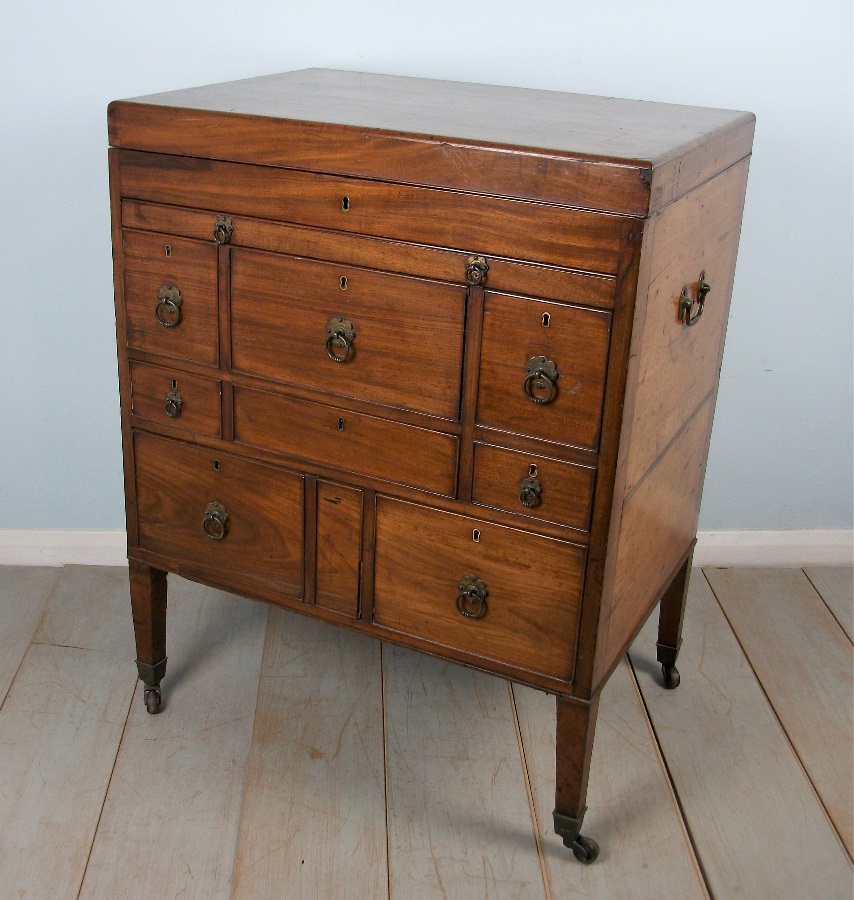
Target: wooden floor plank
x,y
459,819
836,586
171,817
24,592
313,822
757,824
804,662
632,813
59,733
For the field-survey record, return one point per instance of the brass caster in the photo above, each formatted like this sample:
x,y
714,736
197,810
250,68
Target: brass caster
x,y
152,698
671,676
585,849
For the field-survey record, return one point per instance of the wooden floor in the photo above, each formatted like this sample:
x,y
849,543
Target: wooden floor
x,y
295,760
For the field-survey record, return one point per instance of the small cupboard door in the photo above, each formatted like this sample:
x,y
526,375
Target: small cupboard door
x,y
339,548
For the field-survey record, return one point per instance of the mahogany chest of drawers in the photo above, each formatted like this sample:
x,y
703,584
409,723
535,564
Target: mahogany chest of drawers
x,y
433,361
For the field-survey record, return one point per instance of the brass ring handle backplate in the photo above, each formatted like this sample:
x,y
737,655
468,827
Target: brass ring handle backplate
x,y
340,335
540,384
476,269
471,600
174,402
686,304
215,523
168,310
223,229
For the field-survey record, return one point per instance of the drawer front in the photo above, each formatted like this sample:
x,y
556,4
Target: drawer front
x,y
534,585
537,486
186,402
404,336
346,440
261,540
575,340
339,548
171,295
518,229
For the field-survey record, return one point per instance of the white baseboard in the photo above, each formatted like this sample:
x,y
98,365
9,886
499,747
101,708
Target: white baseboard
x,y
774,548
20,547
43,547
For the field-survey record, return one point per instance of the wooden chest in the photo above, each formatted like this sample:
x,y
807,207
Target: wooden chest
x,y
432,361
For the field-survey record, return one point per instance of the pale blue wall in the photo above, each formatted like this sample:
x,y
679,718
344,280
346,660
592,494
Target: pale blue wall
x,y
782,443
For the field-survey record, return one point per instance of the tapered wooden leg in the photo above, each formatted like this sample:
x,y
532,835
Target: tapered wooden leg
x,y
148,602
670,617
576,724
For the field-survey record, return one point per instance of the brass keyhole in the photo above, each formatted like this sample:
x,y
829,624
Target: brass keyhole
x,y
174,384
475,535
168,251
216,465
340,423
546,320
343,282
532,470
345,203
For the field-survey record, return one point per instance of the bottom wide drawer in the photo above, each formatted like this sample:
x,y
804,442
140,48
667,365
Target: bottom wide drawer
x,y
220,512
494,592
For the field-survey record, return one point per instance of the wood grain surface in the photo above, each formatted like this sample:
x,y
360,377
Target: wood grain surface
x,y
804,661
747,801
171,816
313,820
405,328
836,586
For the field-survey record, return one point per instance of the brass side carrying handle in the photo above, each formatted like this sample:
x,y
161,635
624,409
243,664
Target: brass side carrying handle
x,y
174,402
471,600
168,310
530,491
340,335
215,523
541,374
686,304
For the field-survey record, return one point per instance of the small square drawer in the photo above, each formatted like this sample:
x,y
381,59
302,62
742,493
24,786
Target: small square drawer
x,y
358,333
340,438
187,402
533,485
489,591
229,514
543,368
171,295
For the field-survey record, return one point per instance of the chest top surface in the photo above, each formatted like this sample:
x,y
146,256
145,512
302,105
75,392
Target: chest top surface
x,y
339,119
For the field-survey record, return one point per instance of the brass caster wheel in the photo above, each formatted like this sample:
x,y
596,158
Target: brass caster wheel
x,y
152,698
585,849
671,676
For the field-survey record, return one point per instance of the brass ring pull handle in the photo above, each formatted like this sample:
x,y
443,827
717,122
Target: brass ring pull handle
x,y
476,269
168,310
530,491
540,375
686,304
174,402
340,335
216,521
471,600
223,229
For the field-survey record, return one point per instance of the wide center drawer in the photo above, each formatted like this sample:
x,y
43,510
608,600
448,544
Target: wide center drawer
x,y
529,616
346,440
350,331
236,516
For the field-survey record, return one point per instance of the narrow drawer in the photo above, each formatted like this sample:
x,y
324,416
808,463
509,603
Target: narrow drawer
x,y
404,336
535,486
346,440
516,333
339,548
171,295
219,511
187,402
529,618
